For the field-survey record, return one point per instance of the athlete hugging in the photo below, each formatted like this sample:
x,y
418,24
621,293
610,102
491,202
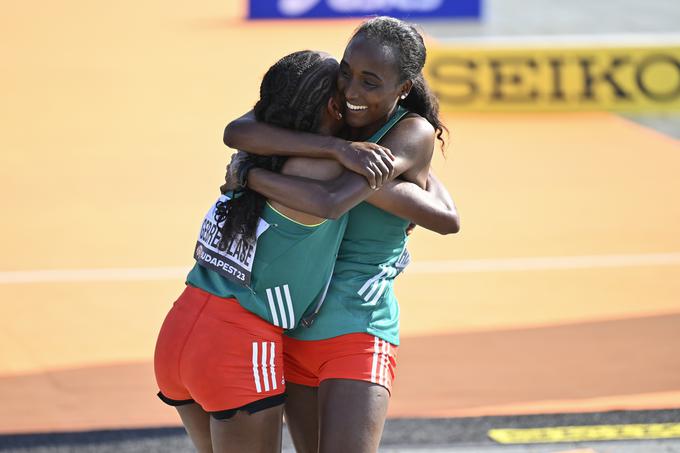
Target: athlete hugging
x,y
306,322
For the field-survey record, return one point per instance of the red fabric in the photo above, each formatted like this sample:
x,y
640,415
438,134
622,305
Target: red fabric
x,y
205,352
358,356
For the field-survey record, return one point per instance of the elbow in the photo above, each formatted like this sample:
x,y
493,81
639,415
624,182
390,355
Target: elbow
x,y
332,213
452,226
330,210
236,132
331,206
228,137
321,204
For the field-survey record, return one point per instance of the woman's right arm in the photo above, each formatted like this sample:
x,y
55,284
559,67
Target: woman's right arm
x,y
432,209
370,160
327,199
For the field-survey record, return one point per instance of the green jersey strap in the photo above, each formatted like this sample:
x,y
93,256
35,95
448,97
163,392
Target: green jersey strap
x,y
398,115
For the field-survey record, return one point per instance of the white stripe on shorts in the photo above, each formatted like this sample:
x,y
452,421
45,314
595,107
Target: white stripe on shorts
x,y
272,365
374,367
386,361
381,378
265,375
256,373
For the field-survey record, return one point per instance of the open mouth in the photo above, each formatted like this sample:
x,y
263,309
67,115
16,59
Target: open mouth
x,y
355,108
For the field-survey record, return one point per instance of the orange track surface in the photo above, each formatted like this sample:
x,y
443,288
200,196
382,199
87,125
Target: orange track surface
x,y
112,151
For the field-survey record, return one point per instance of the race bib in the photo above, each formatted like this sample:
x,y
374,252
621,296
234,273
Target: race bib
x,y
231,259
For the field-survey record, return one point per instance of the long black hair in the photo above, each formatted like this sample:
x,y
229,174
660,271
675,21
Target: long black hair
x,y
293,93
408,41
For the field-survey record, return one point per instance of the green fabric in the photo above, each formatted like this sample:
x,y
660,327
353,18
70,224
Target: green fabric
x,y
289,256
361,295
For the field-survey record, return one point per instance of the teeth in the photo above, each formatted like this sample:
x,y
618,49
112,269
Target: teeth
x,y
356,107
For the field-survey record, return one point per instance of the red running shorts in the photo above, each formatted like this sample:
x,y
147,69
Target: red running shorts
x,y
212,351
358,356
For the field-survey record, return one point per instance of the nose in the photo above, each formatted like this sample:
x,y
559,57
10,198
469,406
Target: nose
x,y
349,89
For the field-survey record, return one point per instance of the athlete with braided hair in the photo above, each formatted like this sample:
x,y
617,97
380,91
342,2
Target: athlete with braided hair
x,y
340,369
261,268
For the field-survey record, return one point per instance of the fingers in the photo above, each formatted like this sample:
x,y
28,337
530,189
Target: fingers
x,y
371,177
383,172
388,160
374,162
389,163
384,164
386,151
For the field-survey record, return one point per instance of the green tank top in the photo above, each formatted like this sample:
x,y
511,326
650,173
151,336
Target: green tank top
x,y
290,268
373,252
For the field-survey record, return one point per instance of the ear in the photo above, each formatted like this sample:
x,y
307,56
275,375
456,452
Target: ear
x,y
334,108
405,89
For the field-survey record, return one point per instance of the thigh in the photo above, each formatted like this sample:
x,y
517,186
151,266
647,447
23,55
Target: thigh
x,y
197,424
302,417
352,415
259,432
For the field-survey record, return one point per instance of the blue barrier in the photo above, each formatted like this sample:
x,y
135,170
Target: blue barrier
x,y
404,9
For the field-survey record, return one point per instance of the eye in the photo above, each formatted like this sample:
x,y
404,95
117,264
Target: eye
x,y
344,73
370,84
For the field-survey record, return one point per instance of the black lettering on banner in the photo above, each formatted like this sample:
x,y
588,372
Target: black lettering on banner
x,y
440,66
646,90
502,79
556,65
224,246
206,230
589,79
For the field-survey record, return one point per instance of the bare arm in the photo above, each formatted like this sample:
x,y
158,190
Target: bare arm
x,y
330,199
327,199
372,161
432,209
264,139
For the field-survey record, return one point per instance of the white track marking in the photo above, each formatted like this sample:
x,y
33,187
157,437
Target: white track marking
x,y
422,267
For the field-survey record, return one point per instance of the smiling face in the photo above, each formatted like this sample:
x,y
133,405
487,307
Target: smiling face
x,y
369,82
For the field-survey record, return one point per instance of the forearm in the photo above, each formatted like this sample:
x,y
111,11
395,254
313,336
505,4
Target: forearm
x,y
260,138
437,189
426,209
327,199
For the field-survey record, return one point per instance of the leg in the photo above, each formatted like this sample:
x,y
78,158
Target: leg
x,y
352,415
244,432
302,417
197,423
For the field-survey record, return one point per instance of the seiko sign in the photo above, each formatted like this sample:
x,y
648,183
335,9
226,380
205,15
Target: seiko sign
x,y
644,78
295,9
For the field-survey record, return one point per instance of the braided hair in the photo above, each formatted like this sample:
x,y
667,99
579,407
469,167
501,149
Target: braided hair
x,y
407,40
293,93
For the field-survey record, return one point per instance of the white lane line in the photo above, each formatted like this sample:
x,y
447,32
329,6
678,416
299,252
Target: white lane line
x,y
94,275
422,267
544,263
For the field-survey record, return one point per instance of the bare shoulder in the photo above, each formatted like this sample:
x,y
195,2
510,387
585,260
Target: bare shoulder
x,y
412,136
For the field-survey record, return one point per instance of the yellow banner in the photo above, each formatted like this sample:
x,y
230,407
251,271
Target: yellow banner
x,y
586,433
543,78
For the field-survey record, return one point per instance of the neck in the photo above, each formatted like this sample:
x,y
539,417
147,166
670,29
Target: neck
x,y
365,132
